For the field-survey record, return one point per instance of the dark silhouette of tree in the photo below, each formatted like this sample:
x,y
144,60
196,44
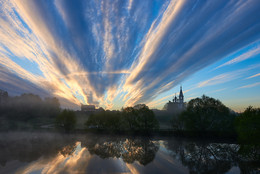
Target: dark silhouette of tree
x,y
206,114
140,118
105,120
248,130
146,119
66,120
131,118
248,126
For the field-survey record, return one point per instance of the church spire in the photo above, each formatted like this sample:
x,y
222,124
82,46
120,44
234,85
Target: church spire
x,y
175,98
181,97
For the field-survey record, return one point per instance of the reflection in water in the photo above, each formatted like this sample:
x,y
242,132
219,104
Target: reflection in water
x,y
130,150
72,159
214,157
55,153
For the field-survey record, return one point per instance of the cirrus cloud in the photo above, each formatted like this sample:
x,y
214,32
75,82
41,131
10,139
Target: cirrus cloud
x,y
93,51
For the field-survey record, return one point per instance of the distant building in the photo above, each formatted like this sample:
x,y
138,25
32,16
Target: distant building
x,y
3,97
176,105
88,108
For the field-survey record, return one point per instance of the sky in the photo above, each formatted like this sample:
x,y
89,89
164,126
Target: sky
x,y
118,53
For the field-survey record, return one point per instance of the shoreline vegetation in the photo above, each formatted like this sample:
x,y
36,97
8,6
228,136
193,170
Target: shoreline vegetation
x,y
203,118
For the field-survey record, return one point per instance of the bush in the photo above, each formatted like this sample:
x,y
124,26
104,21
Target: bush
x,y
206,114
104,120
131,118
66,120
248,126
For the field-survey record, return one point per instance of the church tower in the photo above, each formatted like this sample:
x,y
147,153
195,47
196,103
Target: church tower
x,y
181,97
175,99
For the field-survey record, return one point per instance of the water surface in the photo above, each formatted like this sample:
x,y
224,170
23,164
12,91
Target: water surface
x,y
23,152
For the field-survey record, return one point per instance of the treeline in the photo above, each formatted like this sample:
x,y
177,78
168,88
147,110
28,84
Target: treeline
x,y
203,116
27,111
207,116
137,118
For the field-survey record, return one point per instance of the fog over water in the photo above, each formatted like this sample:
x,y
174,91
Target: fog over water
x,y
24,152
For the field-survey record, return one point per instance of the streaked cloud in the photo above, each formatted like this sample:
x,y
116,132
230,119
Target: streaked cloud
x,y
95,51
247,55
249,86
256,75
226,77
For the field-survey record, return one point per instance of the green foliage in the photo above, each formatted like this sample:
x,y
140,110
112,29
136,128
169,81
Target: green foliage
x,y
104,120
141,118
205,114
147,120
131,118
177,123
66,120
248,126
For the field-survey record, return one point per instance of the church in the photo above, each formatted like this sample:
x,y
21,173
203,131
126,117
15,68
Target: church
x,y
176,105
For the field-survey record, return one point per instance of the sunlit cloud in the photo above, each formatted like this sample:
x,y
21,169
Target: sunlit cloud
x,y
247,55
256,75
249,86
94,52
226,77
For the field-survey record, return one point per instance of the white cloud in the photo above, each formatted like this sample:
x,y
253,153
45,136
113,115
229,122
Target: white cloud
x,y
247,55
249,86
225,77
256,75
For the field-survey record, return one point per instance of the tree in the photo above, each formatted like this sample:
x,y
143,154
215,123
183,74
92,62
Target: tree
x,y
105,120
147,120
207,114
248,126
130,116
66,120
140,117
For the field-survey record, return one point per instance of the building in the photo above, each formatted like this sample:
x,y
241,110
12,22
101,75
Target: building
x,y
3,97
88,108
176,105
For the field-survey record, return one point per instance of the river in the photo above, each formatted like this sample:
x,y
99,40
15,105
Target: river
x,y
43,152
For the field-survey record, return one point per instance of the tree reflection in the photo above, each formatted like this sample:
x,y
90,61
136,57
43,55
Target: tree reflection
x,y
130,150
214,157
211,158
68,150
198,157
250,155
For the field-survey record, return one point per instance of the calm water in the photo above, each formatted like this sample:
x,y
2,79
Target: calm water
x,y
58,153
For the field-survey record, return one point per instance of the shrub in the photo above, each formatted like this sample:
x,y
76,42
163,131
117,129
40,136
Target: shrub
x,y
66,120
248,126
206,114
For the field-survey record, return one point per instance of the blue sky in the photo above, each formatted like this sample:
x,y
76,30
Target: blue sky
x,y
121,53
